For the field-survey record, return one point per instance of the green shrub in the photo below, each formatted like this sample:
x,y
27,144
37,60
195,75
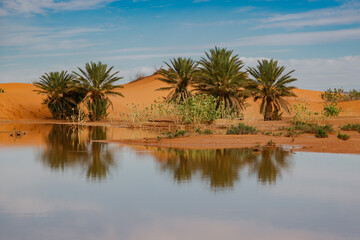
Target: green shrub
x,y
198,131
2,90
207,132
301,113
177,133
320,133
354,94
241,129
343,136
198,109
311,127
331,97
331,110
351,127
98,109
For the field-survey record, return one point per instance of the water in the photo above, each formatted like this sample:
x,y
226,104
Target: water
x,y
56,183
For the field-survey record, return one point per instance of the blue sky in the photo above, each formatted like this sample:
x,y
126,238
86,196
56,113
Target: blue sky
x,y
320,39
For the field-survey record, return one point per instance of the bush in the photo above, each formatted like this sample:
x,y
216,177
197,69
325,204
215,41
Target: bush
x,y
320,133
207,132
170,134
241,129
98,109
331,97
331,110
343,136
351,127
312,128
198,109
2,90
354,94
300,113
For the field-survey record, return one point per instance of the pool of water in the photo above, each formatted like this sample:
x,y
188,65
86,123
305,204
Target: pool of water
x,y
56,183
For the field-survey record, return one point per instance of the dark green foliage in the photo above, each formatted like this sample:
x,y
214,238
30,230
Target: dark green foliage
x,y
311,127
343,136
62,96
98,83
98,109
270,86
351,127
331,97
198,131
177,133
354,94
198,109
180,76
2,90
331,110
221,77
320,133
241,129
207,132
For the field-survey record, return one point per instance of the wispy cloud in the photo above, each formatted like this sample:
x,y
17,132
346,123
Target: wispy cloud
x,y
292,39
39,38
216,24
42,6
346,14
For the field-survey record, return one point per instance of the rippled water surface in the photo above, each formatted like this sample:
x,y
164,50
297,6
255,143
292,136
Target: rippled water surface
x,y
57,183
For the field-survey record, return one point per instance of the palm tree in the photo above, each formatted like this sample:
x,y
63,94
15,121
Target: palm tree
x,y
180,76
270,86
98,82
221,76
61,96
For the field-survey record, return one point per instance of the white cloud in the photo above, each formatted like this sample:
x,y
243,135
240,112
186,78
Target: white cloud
x,y
321,73
301,38
42,6
148,56
44,39
344,15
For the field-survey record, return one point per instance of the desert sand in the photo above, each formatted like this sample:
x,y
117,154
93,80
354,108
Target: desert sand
x,y
20,104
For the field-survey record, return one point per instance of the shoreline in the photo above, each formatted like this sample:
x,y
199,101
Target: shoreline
x,y
303,143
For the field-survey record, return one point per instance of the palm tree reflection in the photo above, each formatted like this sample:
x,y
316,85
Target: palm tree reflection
x,y
71,146
222,167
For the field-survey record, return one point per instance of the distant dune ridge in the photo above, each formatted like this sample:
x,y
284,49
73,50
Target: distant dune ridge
x,y
20,102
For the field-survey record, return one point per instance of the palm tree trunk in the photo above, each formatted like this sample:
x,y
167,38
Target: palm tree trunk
x,y
268,111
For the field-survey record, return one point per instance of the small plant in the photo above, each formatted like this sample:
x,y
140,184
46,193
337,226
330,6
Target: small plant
x,y
267,133
331,110
270,143
159,138
300,113
304,127
321,133
241,129
331,97
351,127
177,133
278,134
343,136
198,131
207,132
2,90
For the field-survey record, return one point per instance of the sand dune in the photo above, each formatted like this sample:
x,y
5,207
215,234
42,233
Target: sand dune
x,y
20,102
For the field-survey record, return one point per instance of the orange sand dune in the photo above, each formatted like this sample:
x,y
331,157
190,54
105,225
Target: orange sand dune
x,y
20,102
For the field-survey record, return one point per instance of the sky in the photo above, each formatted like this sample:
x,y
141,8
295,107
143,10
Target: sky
x,y
319,39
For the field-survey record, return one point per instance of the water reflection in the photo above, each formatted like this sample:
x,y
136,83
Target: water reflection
x,y
70,146
222,167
